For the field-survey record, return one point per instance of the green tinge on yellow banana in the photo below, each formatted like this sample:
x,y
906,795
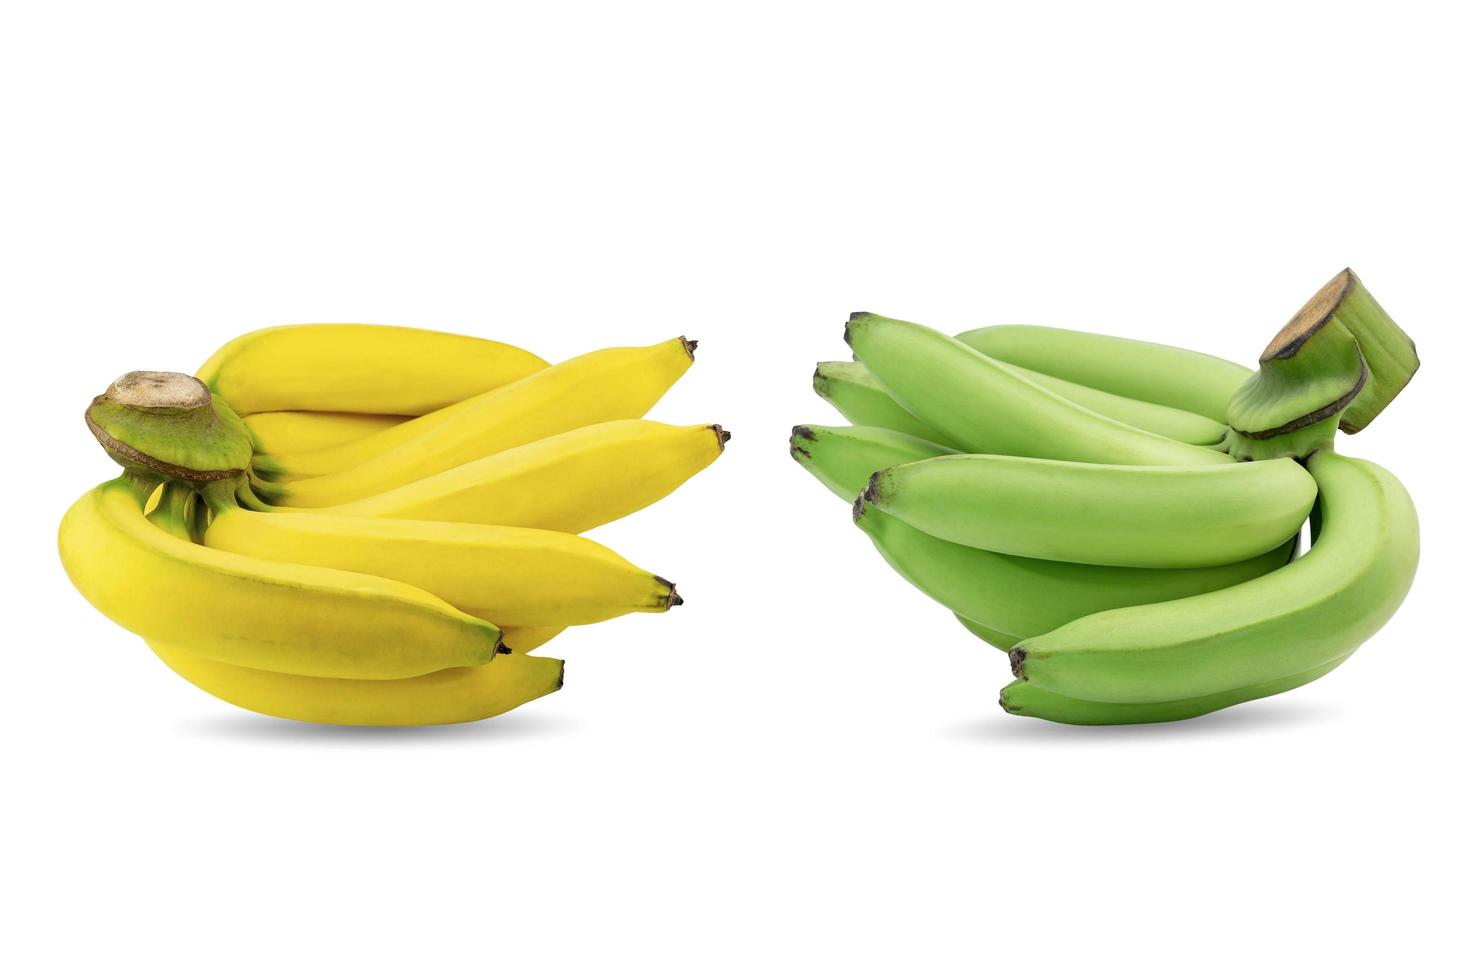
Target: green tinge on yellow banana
x,y
1097,513
616,383
844,457
1157,373
570,482
978,404
444,697
355,367
1023,596
256,612
1022,698
1315,610
506,574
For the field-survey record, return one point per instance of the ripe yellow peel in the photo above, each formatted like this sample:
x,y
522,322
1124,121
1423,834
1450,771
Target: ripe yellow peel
x,y
444,697
258,612
616,383
281,432
570,482
356,367
506,574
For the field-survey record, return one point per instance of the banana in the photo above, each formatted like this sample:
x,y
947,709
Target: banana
x,y
980,405
997,639
254,612
843,458
1021,698
505,574
355,367
1157,373
443,697
1097,513
851,389
569,482
289,432
1019,596
615,383
1313,611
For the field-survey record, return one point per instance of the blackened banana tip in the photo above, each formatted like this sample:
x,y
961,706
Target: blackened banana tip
x,y
859,507
722,434
501,648
1017,657
690,346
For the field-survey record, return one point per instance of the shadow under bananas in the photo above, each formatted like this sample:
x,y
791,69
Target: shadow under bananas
x,y
1264,715
250,727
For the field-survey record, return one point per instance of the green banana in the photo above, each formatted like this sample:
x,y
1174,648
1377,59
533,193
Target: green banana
x,y
1157,373
1021,698
849,387
1027,596
1100,514
979,405
1303,616
852,388
997,639
844,457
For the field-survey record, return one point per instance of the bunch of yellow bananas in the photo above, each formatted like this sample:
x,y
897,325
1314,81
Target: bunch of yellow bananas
x,y
375,525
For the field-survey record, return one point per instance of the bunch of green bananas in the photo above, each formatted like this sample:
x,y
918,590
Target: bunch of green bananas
x,y
1123,517
374,525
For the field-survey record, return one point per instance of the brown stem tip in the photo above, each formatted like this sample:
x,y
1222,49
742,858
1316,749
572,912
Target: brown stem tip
x,y
674,599
690,346
1311,317
722,434
1018,662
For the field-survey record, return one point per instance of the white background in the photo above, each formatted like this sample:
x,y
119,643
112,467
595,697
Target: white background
x,y
802,772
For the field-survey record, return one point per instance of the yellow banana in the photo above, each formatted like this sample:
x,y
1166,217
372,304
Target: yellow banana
x,y
280,432
444,697
357,367
505,574
569,482
256,612
616,383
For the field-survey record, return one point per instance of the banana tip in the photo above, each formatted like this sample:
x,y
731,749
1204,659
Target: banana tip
x,y
859,507
1018,665
799,434
690,346
674,599
722,434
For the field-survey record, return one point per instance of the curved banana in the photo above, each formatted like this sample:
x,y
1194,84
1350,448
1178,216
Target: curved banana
x,y
569,482
851,389
1016,595
1158,373
997,639
616,383
289,432
844,457
1100,514
1021,698
980,405
1315,610
505,574
443,697
356,367
254,612
854,391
